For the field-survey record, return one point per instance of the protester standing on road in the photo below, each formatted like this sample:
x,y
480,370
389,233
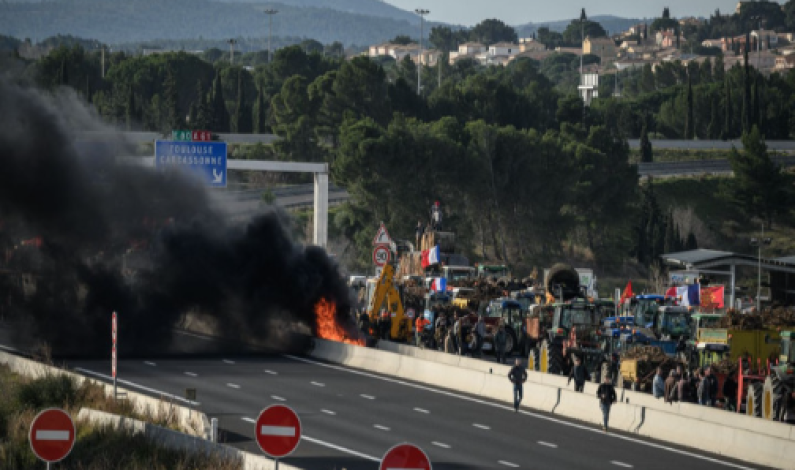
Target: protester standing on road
x,y
579,373
607,396
710,392
500,339
480,333
658,386
518,376
457,343
670,387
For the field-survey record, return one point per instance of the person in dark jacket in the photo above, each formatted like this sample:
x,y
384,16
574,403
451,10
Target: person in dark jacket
x,y
607,396
517,376
500,340
579,373
710,388
670,387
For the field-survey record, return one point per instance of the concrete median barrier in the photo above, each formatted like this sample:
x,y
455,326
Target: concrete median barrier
x,y
183,442
708,429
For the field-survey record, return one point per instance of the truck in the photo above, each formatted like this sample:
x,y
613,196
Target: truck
x,y
710,342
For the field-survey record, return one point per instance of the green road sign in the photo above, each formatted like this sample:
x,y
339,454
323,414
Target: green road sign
x,y
182,135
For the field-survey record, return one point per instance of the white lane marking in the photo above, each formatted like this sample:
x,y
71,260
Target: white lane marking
x,y
281,431
329,412
233,385
621,464
481,426
548,444
420,410
45,435
369,397
340,448
278,398
227,361
139,387
271,372
250,420
527,413
150,363
191,374
441,444
507,464
318,384
383,428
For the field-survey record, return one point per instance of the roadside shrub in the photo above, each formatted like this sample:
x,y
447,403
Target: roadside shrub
x,y
48,391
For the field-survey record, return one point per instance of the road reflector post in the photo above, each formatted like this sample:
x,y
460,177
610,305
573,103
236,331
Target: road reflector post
x,y
190,395
214,430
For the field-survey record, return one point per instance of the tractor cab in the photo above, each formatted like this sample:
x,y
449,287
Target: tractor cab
x,y
644,309
579,314
672,322
493,270
457,274
708,341
510,312
436,299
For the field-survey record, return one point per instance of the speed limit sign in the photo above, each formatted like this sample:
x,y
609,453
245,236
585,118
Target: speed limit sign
x,y
381,255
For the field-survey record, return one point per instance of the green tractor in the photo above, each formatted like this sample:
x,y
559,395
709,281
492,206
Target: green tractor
x,y
777,395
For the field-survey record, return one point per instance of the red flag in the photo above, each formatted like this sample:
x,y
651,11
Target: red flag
x,y
712,297
627,293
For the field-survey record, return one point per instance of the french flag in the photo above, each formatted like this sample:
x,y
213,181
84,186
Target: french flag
x,y
689,295
430,257
439,284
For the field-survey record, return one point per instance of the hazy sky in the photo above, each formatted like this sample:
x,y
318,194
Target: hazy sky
x,y
515,12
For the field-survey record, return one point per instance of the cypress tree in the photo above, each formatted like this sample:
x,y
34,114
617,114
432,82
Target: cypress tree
x,y
173,118
219,115
713,130
243,112
690,124
646,151
130,112
747,109
692,243
727,133
261,115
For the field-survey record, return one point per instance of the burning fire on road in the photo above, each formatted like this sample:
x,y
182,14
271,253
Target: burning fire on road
x,y
329,327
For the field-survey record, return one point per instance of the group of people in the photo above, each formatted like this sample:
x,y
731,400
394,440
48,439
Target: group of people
x,y
434,224
699,386
456,334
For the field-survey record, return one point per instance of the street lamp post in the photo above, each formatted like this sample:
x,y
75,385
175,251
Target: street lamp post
x,y
759,242
270,12
422,14
232,43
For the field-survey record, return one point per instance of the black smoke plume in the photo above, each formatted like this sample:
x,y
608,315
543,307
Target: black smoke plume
x,y
82,236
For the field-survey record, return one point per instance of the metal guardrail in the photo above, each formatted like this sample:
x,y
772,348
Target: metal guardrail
x,y
778,145
699,167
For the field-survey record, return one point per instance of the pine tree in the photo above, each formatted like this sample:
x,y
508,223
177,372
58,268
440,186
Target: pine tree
x,y
757,113
219,115
646,151
690,123
669,243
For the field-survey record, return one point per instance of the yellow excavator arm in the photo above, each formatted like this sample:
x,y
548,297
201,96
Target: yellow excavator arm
x,y
385,290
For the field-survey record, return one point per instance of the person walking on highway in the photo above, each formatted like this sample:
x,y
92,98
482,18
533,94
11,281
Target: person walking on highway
x,y
607,396
658,386
500,340
579,373
518,376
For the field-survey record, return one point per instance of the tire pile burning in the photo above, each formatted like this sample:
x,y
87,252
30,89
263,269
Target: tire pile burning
x,y
82,236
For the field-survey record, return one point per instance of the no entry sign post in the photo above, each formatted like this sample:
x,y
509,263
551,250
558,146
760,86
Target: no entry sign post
x,y
405,457
114,336
278,431
52,435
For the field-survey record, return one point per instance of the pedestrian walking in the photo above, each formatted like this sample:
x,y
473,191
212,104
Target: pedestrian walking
x,y
517,376
579,373
670,387
607,396
658,386
500,340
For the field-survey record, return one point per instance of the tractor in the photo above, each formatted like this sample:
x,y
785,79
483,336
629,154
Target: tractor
x,y
778,392
574,330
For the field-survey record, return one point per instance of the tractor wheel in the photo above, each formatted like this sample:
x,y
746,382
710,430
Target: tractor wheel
x,y
533,359
767,399
753,400
510,341
553,356
604,371
778,397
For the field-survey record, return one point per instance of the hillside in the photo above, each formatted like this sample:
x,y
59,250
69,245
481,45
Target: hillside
x,y
126,21
613,24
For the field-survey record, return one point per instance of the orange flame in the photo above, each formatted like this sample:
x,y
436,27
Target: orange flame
x,y
329,328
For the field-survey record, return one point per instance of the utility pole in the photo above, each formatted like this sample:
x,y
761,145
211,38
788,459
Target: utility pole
x,y
422,14
232,43
270,12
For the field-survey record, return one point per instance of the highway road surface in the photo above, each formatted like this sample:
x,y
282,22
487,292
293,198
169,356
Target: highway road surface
x,y
350,417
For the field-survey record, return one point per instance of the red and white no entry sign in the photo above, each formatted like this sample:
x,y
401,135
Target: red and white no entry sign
x,y
405,457
52,435
278,430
